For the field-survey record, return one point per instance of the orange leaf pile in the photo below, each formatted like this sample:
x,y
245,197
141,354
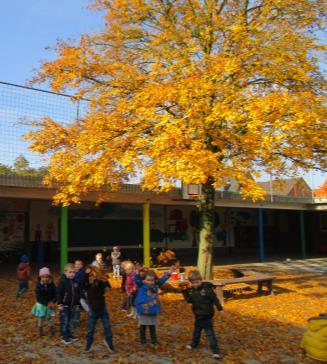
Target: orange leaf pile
x,y
256,329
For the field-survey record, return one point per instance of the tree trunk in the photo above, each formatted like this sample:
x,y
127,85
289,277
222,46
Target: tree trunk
x,y
207,210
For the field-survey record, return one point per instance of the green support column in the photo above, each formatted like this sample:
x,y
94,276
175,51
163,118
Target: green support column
x,y
302,235
146,234
63,237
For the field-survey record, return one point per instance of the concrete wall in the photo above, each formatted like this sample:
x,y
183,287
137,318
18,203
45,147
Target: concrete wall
x,y
178,227
43,223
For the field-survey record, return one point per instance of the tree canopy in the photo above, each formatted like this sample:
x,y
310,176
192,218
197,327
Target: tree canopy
x,y
21,167
196,91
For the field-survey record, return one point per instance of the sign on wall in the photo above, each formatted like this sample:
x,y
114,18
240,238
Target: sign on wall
x,y
12,230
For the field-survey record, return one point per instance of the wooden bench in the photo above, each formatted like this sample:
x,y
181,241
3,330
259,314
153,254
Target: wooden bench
x,y
248,277
162,268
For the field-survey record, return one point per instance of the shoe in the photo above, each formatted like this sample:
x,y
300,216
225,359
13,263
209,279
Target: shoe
x,y
132,313
217,356
66,341
87,348
73,338
109,347
189,346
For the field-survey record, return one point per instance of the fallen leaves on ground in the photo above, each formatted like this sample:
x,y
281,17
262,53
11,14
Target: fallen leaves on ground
x,y
256,329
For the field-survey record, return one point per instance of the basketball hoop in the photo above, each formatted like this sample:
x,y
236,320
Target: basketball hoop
x,y
191,191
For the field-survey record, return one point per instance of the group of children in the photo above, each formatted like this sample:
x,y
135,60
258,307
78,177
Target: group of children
x,y
115,257
84,288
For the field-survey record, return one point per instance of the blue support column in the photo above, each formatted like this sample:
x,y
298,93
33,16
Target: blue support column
x,y
261,236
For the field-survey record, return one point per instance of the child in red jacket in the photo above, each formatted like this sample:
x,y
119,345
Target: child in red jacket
x,y
23,275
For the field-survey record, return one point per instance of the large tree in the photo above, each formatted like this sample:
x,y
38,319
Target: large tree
x,y
194,91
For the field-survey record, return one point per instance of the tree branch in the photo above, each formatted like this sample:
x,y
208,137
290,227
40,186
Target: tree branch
x,y
221,8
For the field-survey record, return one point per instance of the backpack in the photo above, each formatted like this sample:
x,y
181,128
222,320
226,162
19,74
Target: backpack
x,y
314,341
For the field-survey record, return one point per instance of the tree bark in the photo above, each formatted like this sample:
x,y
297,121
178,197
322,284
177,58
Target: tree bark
x,y
207,210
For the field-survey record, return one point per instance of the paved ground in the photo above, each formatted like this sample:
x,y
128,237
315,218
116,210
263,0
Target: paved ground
x,y
317,265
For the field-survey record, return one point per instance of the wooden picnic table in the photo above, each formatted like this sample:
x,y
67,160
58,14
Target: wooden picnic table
x,y
249,277
242,280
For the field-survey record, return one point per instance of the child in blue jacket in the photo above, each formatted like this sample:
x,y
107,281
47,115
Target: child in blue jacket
x,y
148,305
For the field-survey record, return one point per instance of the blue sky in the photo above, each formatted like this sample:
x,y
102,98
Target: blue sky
x,y
27,27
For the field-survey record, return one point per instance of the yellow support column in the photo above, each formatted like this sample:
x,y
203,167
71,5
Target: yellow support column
x,y
146,234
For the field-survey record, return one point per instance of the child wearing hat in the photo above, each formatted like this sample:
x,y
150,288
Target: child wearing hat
x,y
45,293
23,275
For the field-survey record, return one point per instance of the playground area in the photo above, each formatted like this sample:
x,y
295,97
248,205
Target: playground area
x,y
144,137
256,328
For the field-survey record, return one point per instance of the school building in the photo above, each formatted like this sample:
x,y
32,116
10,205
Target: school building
x,y
279,227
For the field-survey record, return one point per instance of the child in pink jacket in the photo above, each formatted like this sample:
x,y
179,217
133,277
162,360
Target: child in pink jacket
x,y
130,288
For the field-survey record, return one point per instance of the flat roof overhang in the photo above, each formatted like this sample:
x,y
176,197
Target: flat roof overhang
x,y
132,194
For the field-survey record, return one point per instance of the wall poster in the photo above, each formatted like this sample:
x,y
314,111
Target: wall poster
x,y
12,230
